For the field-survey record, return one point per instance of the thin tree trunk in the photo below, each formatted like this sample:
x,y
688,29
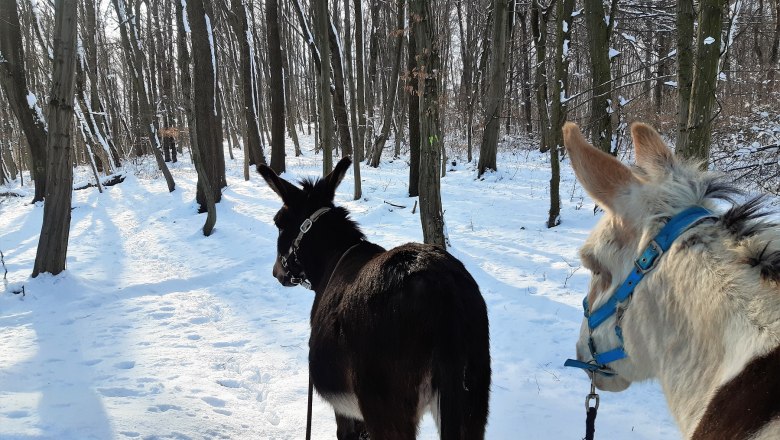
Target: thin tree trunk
x,y
685,18
392,87
431,213
353,102
539,30
559,105
705,80
276,85
601,78
496,85
205,102
23,102
186,86
253,147
361,88
414,118
53,243
326,108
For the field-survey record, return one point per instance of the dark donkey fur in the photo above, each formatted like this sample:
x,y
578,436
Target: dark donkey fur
x,y
393,333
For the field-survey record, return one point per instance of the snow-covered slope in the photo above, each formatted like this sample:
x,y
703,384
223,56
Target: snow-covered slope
x,y
155,331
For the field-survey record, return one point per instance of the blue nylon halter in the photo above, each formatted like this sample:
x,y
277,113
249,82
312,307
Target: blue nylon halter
x,y
646,262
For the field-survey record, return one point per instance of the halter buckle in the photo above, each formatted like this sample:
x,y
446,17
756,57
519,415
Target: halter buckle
x,y
588,398
649,258
306,225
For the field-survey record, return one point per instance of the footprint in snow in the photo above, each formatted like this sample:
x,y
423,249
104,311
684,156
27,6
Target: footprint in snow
x,y
213,401
163,408
126,365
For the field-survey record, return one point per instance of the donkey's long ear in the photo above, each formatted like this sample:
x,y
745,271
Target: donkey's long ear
x,y
601,174
652,154
286,190
333,180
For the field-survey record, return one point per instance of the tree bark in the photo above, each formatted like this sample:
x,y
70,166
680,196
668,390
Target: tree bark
x,y
539,31
240,22
339,96
431,213
186,86
705,80
685,18
414,118
392,87
601,77
207,115
23,103
361,88
326,107
358,193
276,85
495,95
53,243
559,105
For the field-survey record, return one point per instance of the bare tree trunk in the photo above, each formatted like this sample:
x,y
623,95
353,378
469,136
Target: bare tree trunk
x,y
326,108
539,30
496,85
353,102
414,118
361,75
253,147
53,242
685,18
339,96
601,77
276,85
23,103
205,102
186,86
705,80
559,105
392,87
431,213
526,72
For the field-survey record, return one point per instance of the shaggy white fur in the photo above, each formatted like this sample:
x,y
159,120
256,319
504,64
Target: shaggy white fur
x,y
707,309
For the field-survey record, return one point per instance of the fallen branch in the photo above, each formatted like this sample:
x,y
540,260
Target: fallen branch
x,y
10,194
414,208
396,206
109,181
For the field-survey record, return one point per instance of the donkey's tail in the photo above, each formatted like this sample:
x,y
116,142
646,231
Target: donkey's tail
x,y
463,386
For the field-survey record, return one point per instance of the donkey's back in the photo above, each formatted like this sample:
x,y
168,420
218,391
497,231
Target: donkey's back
x,y
399,332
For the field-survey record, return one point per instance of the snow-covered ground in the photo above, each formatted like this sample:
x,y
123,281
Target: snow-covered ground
x,y
158,332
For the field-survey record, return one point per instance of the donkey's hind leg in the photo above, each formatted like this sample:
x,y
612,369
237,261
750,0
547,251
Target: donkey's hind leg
x,y
350,429
390,410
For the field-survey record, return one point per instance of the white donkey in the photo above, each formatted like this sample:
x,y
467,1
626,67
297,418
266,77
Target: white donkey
x,y
679,293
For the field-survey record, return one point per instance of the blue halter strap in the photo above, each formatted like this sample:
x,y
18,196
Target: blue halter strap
x,y
646,262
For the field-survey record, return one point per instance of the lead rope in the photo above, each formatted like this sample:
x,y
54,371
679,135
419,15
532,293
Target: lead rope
x,y
590,412
311,384
308,410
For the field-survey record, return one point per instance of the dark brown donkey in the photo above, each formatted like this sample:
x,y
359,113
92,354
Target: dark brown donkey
x,y
393,333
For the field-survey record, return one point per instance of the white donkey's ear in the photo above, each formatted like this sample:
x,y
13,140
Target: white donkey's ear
x,y
601,174
652,153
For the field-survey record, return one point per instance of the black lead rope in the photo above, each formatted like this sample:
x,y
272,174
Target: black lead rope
x,y
590,423
308,410
311,384
590,412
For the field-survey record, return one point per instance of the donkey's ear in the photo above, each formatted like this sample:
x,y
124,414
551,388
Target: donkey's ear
x,y
601,174
286,190
652,154
333,180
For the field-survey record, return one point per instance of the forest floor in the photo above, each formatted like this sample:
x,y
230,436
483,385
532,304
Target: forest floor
x,y
157,332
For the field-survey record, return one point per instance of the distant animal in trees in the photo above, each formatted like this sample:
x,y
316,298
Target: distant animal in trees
x,y
394,333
